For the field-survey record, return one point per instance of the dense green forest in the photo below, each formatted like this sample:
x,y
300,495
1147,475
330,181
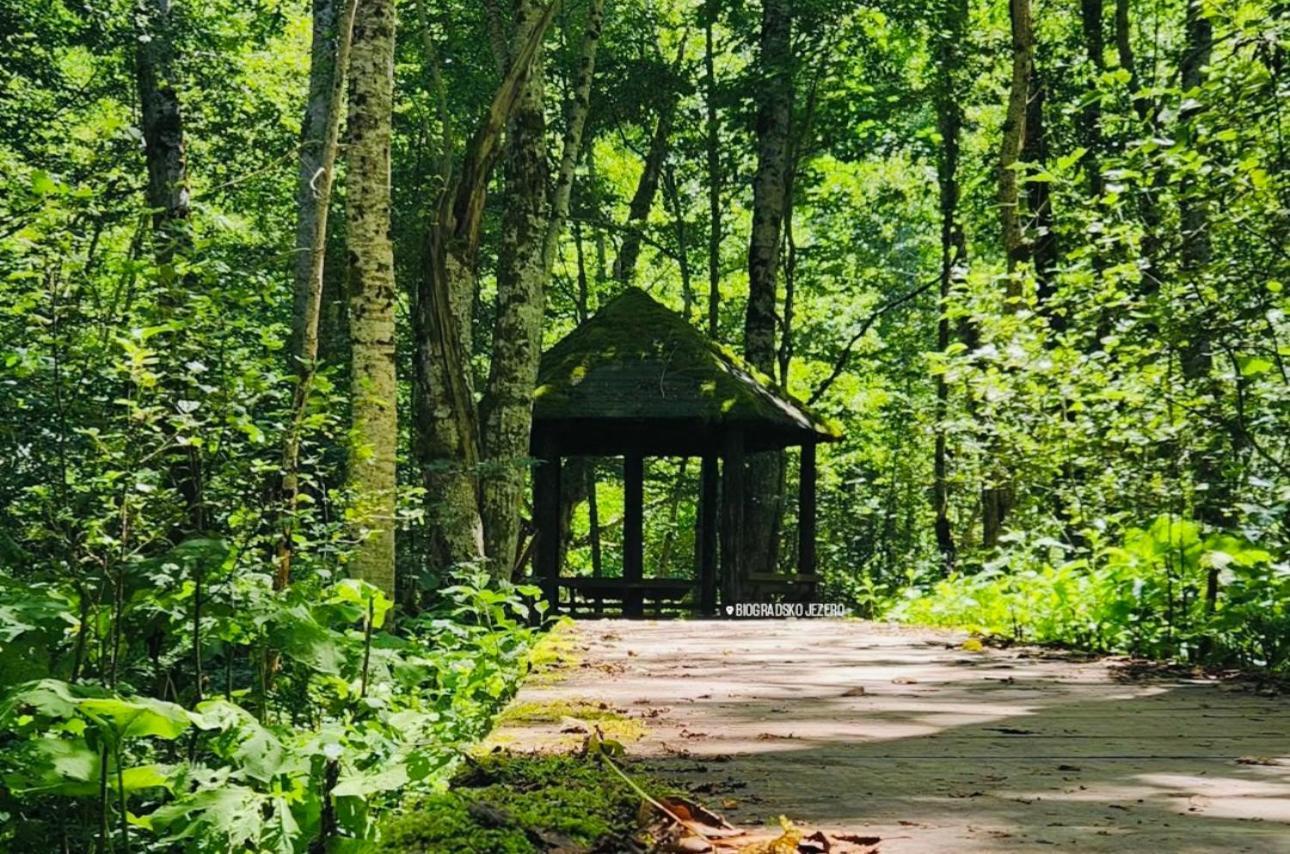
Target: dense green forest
x,y
275,280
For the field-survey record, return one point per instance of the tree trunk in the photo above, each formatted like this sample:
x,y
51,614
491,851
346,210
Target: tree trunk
x,y
673,197
1043,249
949,120
764,499
1091,118
647,187
447,442
167,196
323,68
713,143
328,64
507,407
372,294
163,138
530,234
1014,137
996,495
1197,359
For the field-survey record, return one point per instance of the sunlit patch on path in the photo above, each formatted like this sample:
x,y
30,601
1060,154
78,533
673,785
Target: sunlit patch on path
x,y
907,735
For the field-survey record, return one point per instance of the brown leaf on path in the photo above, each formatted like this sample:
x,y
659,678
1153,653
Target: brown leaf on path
x,y
857,691
859,840
816,842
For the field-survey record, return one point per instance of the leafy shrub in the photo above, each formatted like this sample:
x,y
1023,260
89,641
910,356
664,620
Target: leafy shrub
x,y
312,745
1146,595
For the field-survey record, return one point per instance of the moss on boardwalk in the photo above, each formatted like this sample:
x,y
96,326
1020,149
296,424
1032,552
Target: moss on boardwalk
x,y
511,804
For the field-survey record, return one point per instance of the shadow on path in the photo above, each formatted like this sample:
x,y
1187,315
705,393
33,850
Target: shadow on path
x,y
903,734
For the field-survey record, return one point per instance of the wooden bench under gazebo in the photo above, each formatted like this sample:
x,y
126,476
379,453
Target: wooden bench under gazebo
x,y
637,380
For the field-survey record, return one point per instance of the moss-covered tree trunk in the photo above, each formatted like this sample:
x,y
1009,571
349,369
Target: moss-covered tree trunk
x,y
507,406
447,444
531,228
372,294
764,496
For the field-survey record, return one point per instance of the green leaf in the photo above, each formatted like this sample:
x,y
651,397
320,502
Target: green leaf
x,y
1253,366
141,716
253,749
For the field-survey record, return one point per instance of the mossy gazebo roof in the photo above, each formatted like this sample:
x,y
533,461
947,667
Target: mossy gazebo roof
x,y
637,376
634,381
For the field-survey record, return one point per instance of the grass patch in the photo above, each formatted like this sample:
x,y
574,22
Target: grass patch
x,y
515,804
555,653
613,723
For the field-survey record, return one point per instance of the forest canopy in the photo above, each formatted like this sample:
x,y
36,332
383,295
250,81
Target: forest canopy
x,y
276,277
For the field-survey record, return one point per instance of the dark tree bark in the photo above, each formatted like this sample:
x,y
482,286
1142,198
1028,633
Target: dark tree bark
x,y
1091,117
949,120
1213,490
647,187
167,196
1042,247
163,138
764,494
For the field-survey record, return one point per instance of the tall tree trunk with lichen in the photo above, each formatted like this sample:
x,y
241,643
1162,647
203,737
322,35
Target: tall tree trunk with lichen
x,y
764,500
506,408
372,293
531,229
446,442
328,67
1014,140
952,29
997,493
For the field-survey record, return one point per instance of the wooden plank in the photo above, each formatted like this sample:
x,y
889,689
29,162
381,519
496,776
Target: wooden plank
x,y
633,530
707,545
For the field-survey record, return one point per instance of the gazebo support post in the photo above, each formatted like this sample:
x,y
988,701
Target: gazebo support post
x,y
546,509
732,515
633,532
806,521
708,537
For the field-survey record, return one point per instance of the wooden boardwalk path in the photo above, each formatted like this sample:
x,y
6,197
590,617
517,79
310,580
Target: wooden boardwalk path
x,y
907,735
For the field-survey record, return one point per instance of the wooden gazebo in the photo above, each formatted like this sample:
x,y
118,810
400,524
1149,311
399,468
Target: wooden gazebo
x,y
637,380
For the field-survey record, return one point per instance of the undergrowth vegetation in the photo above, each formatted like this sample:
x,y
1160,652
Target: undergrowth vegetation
x,y
1144,595
309,712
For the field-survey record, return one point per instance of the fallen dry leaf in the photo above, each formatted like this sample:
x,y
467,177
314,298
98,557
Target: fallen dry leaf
x,y
859,840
